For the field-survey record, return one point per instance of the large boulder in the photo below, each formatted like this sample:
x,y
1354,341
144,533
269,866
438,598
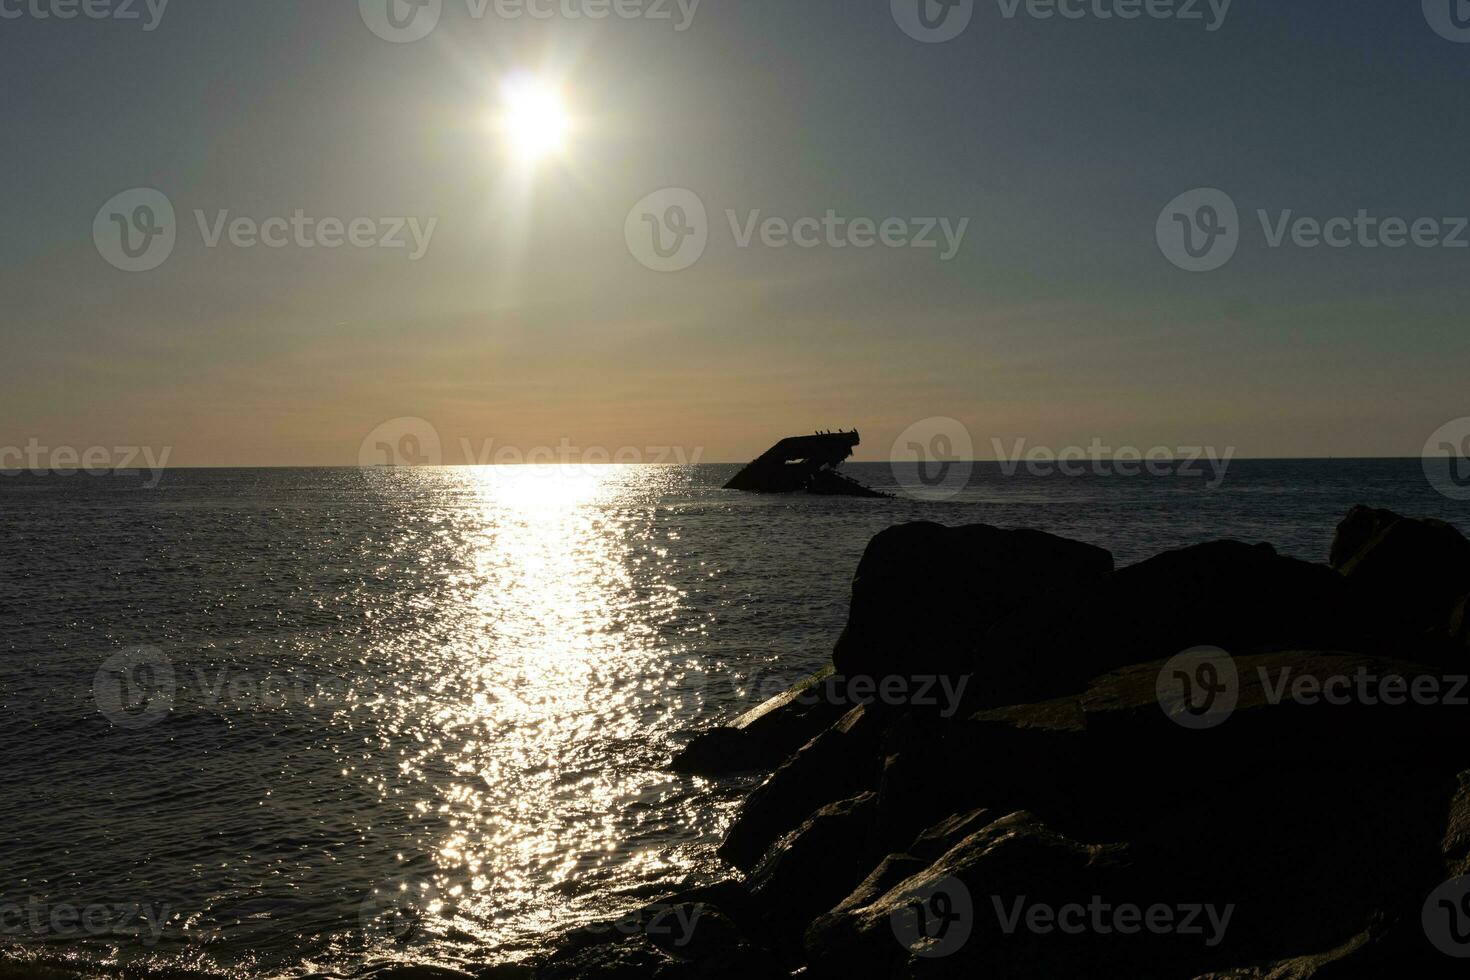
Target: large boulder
x,y
1014,856
837,764
674,940
1315,817
924,594
1243,598
1414,573
816,866
768,734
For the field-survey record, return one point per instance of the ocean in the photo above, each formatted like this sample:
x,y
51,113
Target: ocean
x,y
265,723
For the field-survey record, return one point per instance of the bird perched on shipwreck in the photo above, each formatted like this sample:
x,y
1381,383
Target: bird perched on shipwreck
x,y
804,463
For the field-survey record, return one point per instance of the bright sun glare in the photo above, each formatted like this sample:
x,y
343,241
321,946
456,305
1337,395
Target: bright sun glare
x,y
533,118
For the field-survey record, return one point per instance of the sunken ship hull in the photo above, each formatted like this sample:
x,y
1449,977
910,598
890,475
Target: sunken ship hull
x,y
804,464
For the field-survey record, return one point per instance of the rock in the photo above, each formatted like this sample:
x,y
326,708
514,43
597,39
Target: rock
x,y
1415,572
1312,818
835,765
767,735
670,941
717,752
950,831
507,971
894,868
924,594
1244,598
1016,855
814,867
631,958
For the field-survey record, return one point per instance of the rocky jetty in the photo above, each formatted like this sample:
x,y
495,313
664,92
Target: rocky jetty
x,y
1217,764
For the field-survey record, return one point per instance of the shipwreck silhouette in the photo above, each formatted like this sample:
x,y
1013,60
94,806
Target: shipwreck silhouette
x,y
804,463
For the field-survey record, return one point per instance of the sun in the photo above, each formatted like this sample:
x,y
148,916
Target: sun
x,y
534,121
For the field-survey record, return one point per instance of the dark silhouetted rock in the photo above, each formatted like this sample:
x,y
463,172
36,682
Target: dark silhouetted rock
x,y
717,752
1014,856
836,765
1416,573
767,735
1243,598
816,866
671,941
924,594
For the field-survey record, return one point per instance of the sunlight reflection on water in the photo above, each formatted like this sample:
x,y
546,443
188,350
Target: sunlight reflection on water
x,y
521,650
558,598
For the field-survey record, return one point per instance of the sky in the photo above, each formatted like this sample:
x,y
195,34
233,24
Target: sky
x,y
536,316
